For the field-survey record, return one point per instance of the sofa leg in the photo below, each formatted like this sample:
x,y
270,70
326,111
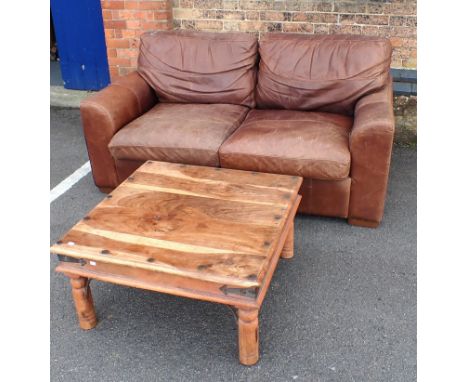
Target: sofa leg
x,y
105,190
363,223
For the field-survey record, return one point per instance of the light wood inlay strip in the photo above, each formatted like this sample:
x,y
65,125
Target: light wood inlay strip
x,y
180,175
183,192
149,241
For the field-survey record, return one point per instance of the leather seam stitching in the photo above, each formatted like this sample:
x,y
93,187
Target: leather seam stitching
x,y
283,158
160,148
259,121
191,119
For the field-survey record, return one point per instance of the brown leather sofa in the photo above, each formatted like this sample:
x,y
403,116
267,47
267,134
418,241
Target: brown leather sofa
x,y
315,106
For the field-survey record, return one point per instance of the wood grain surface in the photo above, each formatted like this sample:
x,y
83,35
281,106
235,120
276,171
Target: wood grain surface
x,y
203,223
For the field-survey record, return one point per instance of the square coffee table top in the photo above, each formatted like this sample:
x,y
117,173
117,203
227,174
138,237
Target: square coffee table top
x,y
212,224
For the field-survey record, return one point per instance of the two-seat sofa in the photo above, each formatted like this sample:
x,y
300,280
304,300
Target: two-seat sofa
x,y
315,106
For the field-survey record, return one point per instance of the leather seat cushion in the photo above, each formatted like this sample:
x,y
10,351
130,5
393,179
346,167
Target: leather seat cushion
x,y
181,133
200,67
310,144
320,72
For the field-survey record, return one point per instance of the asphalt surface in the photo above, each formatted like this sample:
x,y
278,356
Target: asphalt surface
x,y
343,309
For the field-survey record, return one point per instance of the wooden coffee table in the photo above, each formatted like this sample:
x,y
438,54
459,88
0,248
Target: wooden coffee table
x,y
200,232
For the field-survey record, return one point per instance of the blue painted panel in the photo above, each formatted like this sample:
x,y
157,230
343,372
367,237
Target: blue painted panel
x,y
81,44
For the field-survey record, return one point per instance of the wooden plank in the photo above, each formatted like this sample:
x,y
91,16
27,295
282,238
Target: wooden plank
x,y
211,194
199,222
209,263
108,246
174,284
180,177
150,241
209,188
224,210
222,174
157,282
182,229
236,264
132,260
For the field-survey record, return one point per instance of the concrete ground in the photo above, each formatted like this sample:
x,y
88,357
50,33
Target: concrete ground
x,y
343,309
59,96
55,74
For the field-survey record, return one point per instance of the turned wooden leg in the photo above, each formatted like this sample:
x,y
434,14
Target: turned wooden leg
x,y
83,302
247,320
288,249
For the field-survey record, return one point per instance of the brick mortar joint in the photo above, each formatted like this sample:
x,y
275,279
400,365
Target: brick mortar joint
x,y
214,18
296,11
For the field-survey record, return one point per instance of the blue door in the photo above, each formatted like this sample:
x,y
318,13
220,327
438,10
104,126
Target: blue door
x,y
81,44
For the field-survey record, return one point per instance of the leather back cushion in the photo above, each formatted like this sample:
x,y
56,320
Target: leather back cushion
x,y
200,67
323,73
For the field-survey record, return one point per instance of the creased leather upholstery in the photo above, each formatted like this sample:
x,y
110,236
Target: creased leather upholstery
x,y
200,67
180,133
322,73
326,114
104,113
312,145
371,144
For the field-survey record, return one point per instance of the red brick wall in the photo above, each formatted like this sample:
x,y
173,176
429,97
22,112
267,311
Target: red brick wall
x,y
124,22
395,19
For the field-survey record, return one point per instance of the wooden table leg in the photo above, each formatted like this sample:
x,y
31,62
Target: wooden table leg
x,y
83,301
288,248
247,320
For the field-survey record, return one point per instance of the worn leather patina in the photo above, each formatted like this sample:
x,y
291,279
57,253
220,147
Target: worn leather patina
x,y
200,67
321,73
309,144
321,109
106,112
179,133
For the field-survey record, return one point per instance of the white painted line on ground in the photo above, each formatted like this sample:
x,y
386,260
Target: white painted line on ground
x,y
68,183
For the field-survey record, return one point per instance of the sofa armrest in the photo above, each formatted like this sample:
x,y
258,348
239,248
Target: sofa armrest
x,y
107,111
371,142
